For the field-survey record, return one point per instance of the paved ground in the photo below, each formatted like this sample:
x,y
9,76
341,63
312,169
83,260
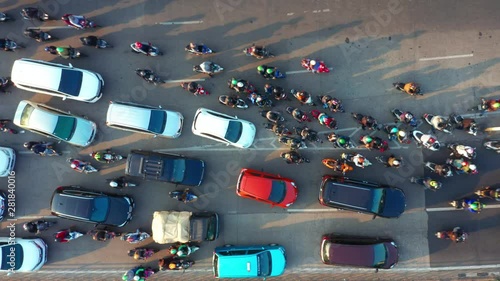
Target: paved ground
x,y
450,47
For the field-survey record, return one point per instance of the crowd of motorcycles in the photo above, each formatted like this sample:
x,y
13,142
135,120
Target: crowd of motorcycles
x,y
246,94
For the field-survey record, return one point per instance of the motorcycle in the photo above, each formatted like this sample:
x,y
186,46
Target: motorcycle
x,y
183,250
457,235
208,67
270,72
39,36
5,129
120,183
467,124
66,235
336,165
428,183
307,134
394,133
142,253
145,48
438,122
324,119
405,117
461,166
138,273
472,205
486,106
293,157
374,142
388,162
489,192
93,41
258,52
199,49
293,143
365,121
241,86
103,234
315,66
272,116
357,159
278,129
149,76
277,92
4,17
298,114
260,101
38,226
30,13
68,53
233,101
460,150
428,141
42,148
135,237
185,196
194,88
337,141
81,166
493,145
303,97
9,45
415,90
333,104
78,22
5,82
442,170
171,264
106,156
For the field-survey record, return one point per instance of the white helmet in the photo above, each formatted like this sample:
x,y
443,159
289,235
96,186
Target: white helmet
x,y
408,116
402,134
113,184
137,278
473,167
240,84
73,165
395,162
312,62
469,150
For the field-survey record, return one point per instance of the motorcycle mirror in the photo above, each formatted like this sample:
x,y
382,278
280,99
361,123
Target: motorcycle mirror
x,y
70,65
374,217
64,98
155,136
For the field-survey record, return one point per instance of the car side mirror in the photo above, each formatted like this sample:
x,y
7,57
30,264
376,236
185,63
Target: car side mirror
x,y
227,144
155,136
160,106
70,65
64,98
376,270
374,217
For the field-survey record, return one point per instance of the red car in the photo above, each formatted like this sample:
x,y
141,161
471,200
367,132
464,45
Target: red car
x,y
268,188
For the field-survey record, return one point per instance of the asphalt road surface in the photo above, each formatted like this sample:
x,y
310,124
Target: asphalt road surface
x,y
449,47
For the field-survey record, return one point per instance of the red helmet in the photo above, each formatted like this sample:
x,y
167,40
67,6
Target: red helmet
x,y
138,44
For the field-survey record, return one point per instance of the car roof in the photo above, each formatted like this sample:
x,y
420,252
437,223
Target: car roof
x,y
35,73
238,266
256,184
129,115
351,254
72,205
42,120
355,196
208,123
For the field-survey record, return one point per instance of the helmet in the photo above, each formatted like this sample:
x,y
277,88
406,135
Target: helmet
x,y
60,49
269,71
124,277
395,162
138,44
402,134
137,278
408,116
394,130
26,144
142,72
239,84
73,165
342,141
433,183
172,266
173,251
113,184
473,167
496,105
260,68
469,150
312,62
234,81
368,139
47,49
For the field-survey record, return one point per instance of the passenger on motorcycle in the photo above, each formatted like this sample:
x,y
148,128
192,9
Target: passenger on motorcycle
x,y
411,88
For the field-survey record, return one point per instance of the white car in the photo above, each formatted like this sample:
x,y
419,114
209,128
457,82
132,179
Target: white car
x,y
51,122
144,119
22,255
66,82
7,160
223,128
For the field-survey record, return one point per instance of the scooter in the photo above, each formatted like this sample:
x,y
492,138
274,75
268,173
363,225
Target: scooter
x,y
333,104
277,92
465,203
39,36
318,67
199,50
289,159
258,52
183,250
233,101
4,17
428,141
38,226
401,86
30,13
307,134
185,196
276,74
103,234
332,137
405,117
293,143
208,67
489,192
459,150
83,167
442,170
10,45
298,114
164,264
150,49
468,124
426,182
142,253
278,129
438,122
493,145
241,86
350,158
272,116
194,88
135,237
95,42
365,121
307,98
337,166
78,22
149,76
456,235
66,235
108,156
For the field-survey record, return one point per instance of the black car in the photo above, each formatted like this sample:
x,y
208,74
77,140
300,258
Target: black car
x,y
362,196
75,203
358,251
165,167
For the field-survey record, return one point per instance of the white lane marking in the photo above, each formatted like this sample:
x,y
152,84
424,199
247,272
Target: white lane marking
x,y
180,22
444,209
301,71
183,80
312,210
51,27
228,149
492,129
290,14
446,57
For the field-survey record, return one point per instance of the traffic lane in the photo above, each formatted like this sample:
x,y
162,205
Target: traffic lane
x,y
480,247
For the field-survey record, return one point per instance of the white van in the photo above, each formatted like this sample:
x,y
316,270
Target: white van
x,y
57,80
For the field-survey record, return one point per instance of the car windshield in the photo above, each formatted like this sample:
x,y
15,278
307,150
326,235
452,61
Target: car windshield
x,y
15,250
379,255
157,121
278,191
264,264
71,82
234,130
100,209
178,170
25,116
65,127
378,200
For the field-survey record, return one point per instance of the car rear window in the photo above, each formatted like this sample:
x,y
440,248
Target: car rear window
x,y
157,121
377,197
65,127
264,264
100,209
25,116
278,191
71,82
234,130
17,253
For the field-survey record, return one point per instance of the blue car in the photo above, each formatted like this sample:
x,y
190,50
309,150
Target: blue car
x,y
258,261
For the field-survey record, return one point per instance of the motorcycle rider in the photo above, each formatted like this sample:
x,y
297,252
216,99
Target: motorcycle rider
x,y
5,129
133,237
393,162
367,122
64,52
334,105
76,20
33,34
411,88
147,75
3,44
4,83
430,183
324,119
146,48
30,13
51,49
62,236
257,51
489,105
208,67
277,92
91,41
78,165
339,141
231,100
40,148
359,160
298,115
195,48
182,251
473,205
310,66
367,141
101,235
406,117
292,157
102,156
303,96
35,226
118,182
195,89
239,85
463,150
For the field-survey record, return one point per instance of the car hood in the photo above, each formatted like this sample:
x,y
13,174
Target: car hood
x,y
195,170
91,87
394,203
291,194
120,211
84,132
173,128
32,255
247,135
278,261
